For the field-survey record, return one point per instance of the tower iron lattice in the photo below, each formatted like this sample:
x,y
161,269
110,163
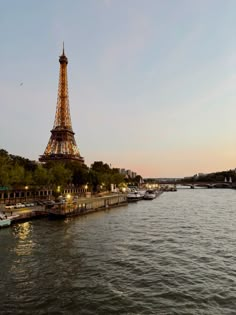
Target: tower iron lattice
x,y
62,144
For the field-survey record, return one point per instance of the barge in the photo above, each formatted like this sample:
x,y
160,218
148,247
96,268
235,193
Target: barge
x,y
85,206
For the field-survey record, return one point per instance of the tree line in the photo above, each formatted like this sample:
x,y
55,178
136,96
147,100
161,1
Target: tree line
x,y
17,172
212,177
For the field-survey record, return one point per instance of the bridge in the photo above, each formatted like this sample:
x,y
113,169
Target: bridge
x,y
199,184
181,183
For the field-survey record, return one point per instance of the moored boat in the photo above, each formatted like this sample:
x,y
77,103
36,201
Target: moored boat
x,y
149,195
4,220
134,196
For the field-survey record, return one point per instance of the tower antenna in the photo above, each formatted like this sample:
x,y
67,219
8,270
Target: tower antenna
x,y
63,52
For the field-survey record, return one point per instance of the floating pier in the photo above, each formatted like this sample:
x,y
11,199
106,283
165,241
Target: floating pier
x,y
26,214
86,205
61,210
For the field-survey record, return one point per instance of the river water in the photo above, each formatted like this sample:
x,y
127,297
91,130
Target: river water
x,y
172,255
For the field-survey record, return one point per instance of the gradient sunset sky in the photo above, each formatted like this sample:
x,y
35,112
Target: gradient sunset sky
x,y
152,83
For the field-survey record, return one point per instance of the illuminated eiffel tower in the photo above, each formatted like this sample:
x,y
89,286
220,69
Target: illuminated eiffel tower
x,y
61,145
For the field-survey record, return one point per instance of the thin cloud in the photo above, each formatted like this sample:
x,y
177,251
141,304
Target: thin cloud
x,y
126,48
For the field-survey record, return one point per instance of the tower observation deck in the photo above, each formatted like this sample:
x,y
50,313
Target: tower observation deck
x,y
62,144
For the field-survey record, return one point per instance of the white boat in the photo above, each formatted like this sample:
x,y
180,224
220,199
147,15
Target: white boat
x,y
141,192
134,196
4,220
149,195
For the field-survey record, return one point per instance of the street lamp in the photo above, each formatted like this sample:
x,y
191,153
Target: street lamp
x,y
26,190
86,190
68,196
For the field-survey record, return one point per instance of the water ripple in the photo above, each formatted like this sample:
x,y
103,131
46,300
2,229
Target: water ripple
x,y
173,255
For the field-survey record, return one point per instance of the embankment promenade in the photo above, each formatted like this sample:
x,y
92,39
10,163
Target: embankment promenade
x,y
79,207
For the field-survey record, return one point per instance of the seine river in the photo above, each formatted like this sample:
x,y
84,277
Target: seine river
x,y
173,255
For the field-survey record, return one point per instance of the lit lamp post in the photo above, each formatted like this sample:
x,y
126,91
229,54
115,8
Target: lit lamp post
x,y
86,189
68,196
26,191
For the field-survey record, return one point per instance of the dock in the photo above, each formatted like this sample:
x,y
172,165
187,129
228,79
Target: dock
x,y
61,210
87,205
26,214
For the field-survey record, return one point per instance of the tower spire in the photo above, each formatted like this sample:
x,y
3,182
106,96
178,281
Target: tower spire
x,y
62,145
63,52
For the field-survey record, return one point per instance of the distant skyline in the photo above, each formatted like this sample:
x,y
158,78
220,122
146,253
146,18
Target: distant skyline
x,y
152,84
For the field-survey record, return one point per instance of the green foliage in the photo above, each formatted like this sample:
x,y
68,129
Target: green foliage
x,y
60,175
18,172
28,178
101,176
3,153
80,176
212,177
4,170
79,173
100,167
41,176
16,175
118,178
25,163
94,180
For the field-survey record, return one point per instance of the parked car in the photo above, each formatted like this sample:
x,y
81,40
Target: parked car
x,y
9,206
29,204
38,203
49,202
19,205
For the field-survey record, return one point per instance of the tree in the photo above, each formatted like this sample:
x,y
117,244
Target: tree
x,y
79,173
16,174
41,176
25,163
117,178
4,170
60,175
80,176
99,166
94,180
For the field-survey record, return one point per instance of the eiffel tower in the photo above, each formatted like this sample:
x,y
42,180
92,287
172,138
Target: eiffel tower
x,y
61,145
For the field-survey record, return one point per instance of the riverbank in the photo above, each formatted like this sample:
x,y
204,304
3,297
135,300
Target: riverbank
x,y
61,210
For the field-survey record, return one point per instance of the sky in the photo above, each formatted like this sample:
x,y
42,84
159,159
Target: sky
x,y
152,83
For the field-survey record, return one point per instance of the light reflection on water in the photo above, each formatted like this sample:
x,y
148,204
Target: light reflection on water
x,y
173,255
22,233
